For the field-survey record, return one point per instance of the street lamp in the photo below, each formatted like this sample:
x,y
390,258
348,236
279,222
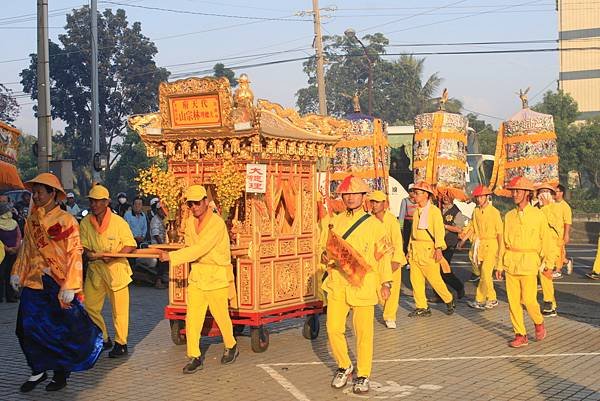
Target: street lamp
x,y
351,35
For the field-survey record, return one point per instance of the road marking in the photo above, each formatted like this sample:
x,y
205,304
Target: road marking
x,y
300,396
572,283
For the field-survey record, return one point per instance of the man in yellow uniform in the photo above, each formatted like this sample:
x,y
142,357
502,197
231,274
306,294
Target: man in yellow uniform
x,y
525,236
104,231
554,248
209,251
53,329
365,235
425,252
595,273
488,243
394,238
566,215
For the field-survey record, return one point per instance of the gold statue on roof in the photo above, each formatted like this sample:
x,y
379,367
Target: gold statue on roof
x,y
243,95
523,96
443,100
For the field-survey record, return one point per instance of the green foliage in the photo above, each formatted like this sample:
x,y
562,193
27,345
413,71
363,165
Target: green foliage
x,y
400,91
221,71
133,157
9,108
486,134
128,84
26,161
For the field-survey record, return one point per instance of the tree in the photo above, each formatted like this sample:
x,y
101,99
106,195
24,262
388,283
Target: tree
x,y
9,108
128,80
26,160
486,134
399,90
586,141
221,71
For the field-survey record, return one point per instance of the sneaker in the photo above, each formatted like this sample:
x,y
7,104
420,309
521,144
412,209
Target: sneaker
x,y
118,351
390,324
106,345
450,307
557,275
341,377
33,382
476,305
491,304
593,276
570,267
194,365
540,332
420,312
519,341
230,355
474,278
547,306
549,313
361,385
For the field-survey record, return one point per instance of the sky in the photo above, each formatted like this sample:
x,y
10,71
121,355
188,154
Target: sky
x,y
200,33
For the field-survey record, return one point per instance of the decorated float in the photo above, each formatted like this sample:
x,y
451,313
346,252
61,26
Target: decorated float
x,y
9,145
212,138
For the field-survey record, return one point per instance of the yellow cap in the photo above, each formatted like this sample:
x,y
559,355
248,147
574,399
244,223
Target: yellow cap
x,y
377,196
99,192
195,193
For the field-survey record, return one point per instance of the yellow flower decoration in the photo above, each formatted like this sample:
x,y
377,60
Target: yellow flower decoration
x,y
229,183
154,181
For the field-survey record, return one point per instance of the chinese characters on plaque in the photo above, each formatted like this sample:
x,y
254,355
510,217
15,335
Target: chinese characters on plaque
x,y
256,178
195,111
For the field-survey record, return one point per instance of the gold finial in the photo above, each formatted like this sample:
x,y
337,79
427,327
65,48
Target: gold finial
x,y
523,96
443,100
243,94
355,99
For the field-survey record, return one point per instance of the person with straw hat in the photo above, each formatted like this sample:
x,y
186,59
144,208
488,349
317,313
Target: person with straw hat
x,y
394,238
104,231
526,234
210,283
425,252
54,331
488,245
355,284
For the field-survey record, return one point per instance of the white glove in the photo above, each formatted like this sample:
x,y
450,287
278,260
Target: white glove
x,y
66,296
14,282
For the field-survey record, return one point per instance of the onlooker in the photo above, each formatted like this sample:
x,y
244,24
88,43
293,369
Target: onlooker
x,y
407,209
158,236
137,221
10,240
72,207
122,205
22,206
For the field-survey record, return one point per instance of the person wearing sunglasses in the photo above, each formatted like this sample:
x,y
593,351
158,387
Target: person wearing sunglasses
x,y
210,283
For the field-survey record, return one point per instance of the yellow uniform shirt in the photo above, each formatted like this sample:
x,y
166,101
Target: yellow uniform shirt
x,y
117,273
526,235
554,216
394,237
421,246
51,244
369,240
209,253
565,215
487,226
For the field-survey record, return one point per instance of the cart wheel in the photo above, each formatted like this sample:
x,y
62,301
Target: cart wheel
x,y
238,329
259,339
310,331
176,336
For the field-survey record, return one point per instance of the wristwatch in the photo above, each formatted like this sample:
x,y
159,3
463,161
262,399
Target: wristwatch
x,y
387,284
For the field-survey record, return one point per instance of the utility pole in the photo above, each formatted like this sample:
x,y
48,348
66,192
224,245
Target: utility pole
x,y
43,86
320,66
95,125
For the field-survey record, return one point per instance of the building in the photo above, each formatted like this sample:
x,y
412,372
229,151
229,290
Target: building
x,y
579,44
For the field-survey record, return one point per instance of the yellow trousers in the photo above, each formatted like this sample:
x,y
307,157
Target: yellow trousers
x,y
474,264
522,290
391,305
119,300
198,301
547,289
485,289
431,273
362,325
596,268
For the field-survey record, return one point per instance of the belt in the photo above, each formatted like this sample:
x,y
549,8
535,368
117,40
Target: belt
x,y
519,250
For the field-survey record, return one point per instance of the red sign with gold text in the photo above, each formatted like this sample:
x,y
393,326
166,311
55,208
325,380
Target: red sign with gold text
x,y
195,111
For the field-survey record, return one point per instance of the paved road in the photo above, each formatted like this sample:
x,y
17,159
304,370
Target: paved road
x,y
460,357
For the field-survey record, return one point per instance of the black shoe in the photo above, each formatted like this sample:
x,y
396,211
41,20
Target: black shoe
x,y
106,345
451,306
474,278
193,366
229,355
118,351
59,381
420,312
30,385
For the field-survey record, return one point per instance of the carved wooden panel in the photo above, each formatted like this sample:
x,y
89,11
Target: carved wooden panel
x,y
308,271
287,279
268,249
177,289
265,283
305,245
287,247
308,206
245,285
